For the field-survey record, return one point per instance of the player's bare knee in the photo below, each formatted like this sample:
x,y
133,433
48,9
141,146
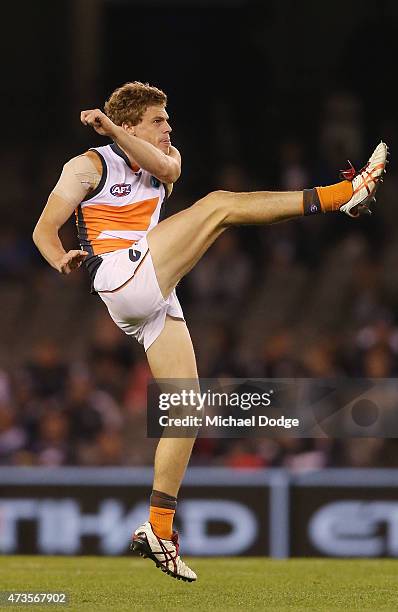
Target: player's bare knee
x,y
218,204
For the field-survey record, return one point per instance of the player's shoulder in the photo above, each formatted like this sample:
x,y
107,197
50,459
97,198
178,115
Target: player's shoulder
x,y
88,161
93,156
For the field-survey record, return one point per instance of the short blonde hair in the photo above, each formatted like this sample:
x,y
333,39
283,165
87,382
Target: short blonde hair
x,y
128,103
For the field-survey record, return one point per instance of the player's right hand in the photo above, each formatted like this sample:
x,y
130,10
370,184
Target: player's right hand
x,y
72,260
99,121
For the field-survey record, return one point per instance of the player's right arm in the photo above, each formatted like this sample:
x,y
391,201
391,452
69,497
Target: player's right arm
x,y
79,176
165,167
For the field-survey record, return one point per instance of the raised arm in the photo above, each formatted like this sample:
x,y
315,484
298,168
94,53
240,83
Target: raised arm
x,y
79,176
165,167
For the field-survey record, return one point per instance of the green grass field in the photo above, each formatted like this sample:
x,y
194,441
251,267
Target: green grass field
x,y
100,583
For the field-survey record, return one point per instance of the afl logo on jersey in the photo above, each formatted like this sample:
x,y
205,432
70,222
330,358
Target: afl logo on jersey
x,y
120,190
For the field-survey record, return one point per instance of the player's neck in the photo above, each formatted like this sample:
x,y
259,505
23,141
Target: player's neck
x,y
127,158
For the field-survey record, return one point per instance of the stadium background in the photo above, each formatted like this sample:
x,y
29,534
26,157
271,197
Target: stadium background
x,y
262,95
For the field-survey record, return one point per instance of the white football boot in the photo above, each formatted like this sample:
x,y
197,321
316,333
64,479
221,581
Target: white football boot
x,y
163,552
365,182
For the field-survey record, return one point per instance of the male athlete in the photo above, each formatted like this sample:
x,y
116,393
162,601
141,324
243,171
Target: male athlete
x,y
117,192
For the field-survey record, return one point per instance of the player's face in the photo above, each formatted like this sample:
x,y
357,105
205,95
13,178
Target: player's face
x,y
154,128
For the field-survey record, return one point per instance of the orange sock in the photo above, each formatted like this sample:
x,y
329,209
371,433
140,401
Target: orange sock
x,y
161,520
334,196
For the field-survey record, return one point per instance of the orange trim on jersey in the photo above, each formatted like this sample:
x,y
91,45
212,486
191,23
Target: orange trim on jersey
x,y
135,216
102,218
106,245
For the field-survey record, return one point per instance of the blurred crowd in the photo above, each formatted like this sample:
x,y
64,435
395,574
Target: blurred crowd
x,y
315,297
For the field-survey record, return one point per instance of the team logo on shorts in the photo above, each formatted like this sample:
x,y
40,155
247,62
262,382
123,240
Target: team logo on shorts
x,y
121,189
134,255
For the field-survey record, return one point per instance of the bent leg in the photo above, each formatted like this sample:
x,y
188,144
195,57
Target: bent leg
x,y
177,243
171,356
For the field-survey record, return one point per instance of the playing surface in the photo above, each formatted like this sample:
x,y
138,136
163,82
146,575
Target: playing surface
x,y
100,583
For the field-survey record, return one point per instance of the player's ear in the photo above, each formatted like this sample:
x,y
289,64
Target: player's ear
x,y
128,127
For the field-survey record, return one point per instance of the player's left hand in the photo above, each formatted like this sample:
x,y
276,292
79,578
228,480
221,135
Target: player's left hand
x,y
72,260
99,121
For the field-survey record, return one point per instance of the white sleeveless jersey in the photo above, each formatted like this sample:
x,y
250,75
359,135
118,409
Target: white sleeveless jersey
x,y
123,208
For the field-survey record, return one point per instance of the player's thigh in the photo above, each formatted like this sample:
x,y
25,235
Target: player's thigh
x,y
172,354
177,243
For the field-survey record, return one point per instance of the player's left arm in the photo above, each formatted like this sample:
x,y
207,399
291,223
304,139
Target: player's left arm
x,y
166,168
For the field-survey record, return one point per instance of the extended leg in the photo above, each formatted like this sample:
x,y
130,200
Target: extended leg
x,y
177,243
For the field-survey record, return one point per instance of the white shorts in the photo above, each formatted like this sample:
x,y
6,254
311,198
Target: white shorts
x,y
128,286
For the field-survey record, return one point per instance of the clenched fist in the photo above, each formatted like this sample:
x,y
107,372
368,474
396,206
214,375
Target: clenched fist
x,y
72,260
99,121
